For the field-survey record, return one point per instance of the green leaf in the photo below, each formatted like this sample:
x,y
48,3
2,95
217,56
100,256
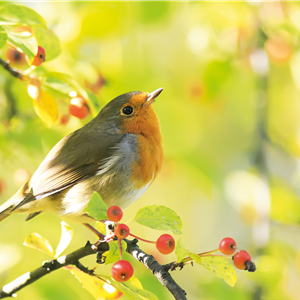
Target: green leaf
x,y
114,251
25,41
64,84
97,208
159,217
101,227
195,257
130,290
180,250
221,267
48,40
55,82
93,102
65,239
13,14
92,284
3,37
38,242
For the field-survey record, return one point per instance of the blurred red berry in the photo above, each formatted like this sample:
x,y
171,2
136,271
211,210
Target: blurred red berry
x,y
279,51
97,84
2,185
16,57
64,119
40,57
78,107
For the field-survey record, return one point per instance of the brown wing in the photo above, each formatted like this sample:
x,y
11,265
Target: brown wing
x,y
78,156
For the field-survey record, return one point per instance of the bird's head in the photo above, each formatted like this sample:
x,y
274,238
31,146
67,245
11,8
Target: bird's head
x,y
132,112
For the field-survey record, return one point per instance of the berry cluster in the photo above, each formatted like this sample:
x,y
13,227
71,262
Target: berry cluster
x,y
122,270
78,106
241,258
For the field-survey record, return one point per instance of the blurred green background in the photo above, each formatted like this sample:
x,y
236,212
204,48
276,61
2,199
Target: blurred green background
x,y
230,119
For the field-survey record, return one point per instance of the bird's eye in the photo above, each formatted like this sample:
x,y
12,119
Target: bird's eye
x,y
127,110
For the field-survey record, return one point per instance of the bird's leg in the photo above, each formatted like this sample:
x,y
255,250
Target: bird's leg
x,y
100,235
102,238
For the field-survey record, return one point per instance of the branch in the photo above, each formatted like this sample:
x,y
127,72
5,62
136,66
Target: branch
x,y
52,265
161,272
13,71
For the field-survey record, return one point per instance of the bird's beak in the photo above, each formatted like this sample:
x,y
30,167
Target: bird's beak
x,y
151,96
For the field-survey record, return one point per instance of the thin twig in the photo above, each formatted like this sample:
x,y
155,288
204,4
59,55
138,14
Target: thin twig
x,y
160,271
14,72
52,265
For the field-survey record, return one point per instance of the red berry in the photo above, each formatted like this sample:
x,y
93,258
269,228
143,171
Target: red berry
x,y
227,246
16,57
40,57
165,244
122,270
2,185
64,119
114,213
240,258
122,231
78,107
97,84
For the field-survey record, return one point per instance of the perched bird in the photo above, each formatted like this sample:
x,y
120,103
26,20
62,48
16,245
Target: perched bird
x,y
118,154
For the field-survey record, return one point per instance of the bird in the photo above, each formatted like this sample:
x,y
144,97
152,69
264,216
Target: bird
x,y
117,154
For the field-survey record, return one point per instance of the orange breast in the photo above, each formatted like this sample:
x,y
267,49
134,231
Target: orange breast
x,y
150,162
146,126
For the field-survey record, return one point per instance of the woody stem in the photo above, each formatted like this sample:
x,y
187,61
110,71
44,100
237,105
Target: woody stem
x,y
14,72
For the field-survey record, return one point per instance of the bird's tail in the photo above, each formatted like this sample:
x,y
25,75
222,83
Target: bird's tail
x,y
7,207
4,213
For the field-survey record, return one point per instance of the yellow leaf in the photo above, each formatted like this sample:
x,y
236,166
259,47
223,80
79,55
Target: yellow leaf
x,y
134,281
91,283
65,239
221,267
195,257
46,108
38,242
130,290
101,227
180,250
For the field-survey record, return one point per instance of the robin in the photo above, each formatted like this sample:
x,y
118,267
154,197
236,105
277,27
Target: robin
x,y
118,154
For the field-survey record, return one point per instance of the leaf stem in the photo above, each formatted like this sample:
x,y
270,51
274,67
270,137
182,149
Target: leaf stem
x,y
203,254
151,242
212,251
120,247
